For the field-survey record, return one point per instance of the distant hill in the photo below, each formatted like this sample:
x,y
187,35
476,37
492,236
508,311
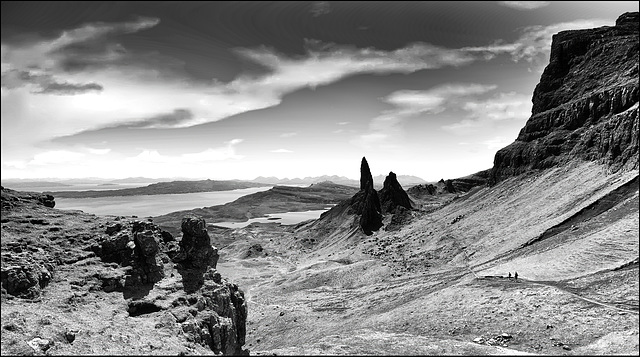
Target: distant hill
x,y
404,180
276,199
161,188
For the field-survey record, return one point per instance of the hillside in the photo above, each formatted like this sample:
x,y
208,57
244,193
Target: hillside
x,y
426,271
161,188
277,199
564,217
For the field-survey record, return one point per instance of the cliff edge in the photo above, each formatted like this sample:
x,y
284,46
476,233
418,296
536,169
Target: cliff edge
x,y
585,106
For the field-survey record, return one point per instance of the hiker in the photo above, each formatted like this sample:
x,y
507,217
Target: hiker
x,y
516,276
509,275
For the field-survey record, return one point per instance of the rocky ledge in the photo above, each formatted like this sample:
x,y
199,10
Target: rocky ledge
x,y
585,106
133,264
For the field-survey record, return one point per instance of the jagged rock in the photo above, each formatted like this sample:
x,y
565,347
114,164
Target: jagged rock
x,y
26,281
365,174
47,200
371,218
221,322
255,250
393,195
366,203
113,228
135,245
195,247
585,106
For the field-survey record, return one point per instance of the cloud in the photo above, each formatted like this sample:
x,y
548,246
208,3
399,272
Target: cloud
x,y
320,8
534,41
166,120
69,88
85,162
482,113
525,5
281,151
497,143
120,90
43,83
326,63
288,135
387,126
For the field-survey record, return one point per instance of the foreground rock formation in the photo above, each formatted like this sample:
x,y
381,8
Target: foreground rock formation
x,y
585,106
54,258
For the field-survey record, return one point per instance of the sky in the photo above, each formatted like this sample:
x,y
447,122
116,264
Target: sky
x,y
236,90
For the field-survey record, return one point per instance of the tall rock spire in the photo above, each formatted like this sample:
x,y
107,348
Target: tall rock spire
x,y
371,217
365,174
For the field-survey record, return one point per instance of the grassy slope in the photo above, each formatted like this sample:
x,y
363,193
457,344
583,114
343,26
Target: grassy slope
x,y
415,288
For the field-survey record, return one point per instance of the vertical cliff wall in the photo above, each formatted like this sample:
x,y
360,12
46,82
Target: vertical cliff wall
x,y
585,106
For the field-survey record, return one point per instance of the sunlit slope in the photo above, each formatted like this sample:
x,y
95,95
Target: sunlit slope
x,y
502,228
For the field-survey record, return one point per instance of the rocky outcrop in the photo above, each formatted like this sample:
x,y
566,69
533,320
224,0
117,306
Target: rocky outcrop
x,y
86,256
196,256
366,202
10,198
585,106
220,322
196,250
392,195
458,185
135,245
365,174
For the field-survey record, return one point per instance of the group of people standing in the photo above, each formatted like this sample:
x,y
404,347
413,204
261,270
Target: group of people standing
x,y
515,275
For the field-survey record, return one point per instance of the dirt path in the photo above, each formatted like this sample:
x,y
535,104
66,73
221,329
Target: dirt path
x,y
555,285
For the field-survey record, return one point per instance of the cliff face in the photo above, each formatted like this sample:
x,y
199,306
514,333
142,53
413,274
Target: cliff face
x,y
585,106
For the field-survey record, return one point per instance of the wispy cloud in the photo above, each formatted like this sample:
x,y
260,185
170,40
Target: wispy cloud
x,y
288,135
525,5
320,8
534,42
482,113
326,63
43,83
409,103
497,143
282,151
101,162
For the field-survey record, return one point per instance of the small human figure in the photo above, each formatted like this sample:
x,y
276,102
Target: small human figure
x,y
509,275
516,276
